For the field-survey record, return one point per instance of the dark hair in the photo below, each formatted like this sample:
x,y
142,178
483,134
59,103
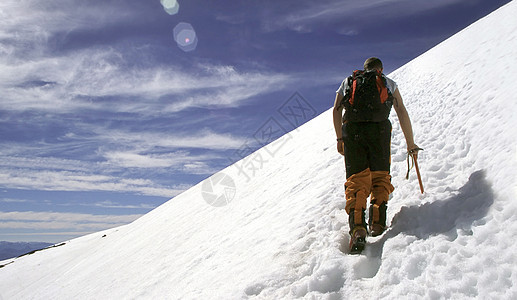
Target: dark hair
x,y
373,63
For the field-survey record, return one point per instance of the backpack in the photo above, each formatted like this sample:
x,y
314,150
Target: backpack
x,y
367,99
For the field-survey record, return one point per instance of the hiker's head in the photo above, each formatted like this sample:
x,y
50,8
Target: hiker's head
x,y
373,63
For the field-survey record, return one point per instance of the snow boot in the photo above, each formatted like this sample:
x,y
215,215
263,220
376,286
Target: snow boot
x,y
357,240
377,218
376,229
357,232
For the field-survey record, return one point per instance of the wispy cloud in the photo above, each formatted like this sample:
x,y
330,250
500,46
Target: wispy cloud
x,y
112,204
178,161
85,77
135,160
99,79
39,234
306,17
42,20
46,163
48,180
204,139
10,200
58,221
105,157
62,146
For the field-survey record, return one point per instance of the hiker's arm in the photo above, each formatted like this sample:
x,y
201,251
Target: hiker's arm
x,y
337,116
405,122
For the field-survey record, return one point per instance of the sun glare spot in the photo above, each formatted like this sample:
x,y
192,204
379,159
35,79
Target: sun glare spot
x,y
170,6
185,37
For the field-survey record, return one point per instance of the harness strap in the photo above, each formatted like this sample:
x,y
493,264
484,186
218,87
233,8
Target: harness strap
x,y
409,154
408,167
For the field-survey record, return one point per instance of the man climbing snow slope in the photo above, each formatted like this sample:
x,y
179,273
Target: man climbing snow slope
x,y
364,138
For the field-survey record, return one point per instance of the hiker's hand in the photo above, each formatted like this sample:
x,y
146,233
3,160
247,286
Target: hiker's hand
x,y
413,150
341,147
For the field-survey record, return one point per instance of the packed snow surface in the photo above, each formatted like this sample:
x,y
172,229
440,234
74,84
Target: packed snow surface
x,y
284,233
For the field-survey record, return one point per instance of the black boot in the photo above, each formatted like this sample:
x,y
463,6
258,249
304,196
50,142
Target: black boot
x,y
377,227
357,233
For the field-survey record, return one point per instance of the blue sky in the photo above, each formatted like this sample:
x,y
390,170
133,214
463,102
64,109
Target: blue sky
x,y
104,116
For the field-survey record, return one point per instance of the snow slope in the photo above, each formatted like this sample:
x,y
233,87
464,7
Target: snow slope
x,y
282,235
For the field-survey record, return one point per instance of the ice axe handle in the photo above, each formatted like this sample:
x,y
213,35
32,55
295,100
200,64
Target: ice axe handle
x,y
418,174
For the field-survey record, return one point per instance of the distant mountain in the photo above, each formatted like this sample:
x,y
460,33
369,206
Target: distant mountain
x,y
10,250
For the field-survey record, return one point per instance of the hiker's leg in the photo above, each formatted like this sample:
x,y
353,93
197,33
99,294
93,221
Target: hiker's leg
x,y
358,183
381,189
381,178
357,190
379,146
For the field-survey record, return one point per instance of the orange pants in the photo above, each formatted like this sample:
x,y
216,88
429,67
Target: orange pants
x,y
360,186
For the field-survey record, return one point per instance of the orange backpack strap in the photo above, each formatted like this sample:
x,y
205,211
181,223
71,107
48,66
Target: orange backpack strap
x,y
354,86
381,86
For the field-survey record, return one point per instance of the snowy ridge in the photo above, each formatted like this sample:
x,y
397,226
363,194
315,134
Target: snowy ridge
x,y
282,235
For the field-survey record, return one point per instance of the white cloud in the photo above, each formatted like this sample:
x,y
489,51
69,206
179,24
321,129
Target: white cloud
x,y
111,204
55,221
148,140
65,217
135,160
9,200
29,166
58,225
100,80
34,77
179,161
38,234
313,13
76,181
26,23
73,82
47,163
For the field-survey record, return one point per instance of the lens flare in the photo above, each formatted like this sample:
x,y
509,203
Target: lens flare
x,y
170,6
185,37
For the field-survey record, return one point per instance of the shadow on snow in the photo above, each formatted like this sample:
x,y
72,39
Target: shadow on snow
x,y
471,203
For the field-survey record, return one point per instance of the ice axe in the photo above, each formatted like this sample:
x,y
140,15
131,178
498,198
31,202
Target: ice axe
x,y
413,153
